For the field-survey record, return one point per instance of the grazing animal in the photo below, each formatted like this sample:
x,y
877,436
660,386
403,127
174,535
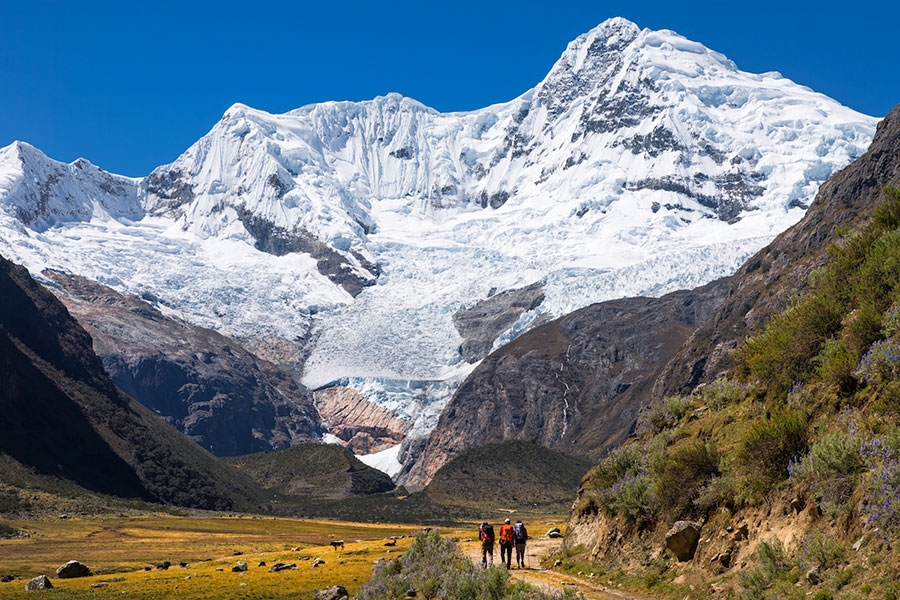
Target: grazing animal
x,y
337,543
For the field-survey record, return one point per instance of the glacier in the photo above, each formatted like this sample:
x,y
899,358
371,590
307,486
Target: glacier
x,y
343,237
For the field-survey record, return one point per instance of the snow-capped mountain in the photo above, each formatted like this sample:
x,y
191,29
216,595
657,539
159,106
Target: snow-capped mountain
x,y
355,233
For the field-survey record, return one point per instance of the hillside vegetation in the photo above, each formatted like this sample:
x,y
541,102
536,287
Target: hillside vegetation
x,y
511,475
791,463
317,470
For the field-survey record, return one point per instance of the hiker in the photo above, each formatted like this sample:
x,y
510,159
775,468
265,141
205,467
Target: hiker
x,y
520,535
486,535
506,543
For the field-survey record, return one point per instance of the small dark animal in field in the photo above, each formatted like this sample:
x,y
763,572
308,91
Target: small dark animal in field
x,y
337,543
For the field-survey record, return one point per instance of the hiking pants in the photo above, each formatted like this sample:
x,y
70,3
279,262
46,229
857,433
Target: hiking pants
x,y
505,553
487,554
520,554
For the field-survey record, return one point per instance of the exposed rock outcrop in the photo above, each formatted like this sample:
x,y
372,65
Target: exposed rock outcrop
x,y
206,385
682,539
482,323
363,425
101,440
575,384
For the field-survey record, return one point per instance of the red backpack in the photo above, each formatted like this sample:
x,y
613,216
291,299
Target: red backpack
x,y
487,533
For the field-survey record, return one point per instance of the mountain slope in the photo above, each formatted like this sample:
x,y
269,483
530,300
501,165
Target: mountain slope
x,y
769,281
65,420
341,240
574,384
313,470
204,384
788,460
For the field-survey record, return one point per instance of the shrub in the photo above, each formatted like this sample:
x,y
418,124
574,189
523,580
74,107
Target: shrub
x,y
721,393
783,353
773,563
625,486
659,416
719,491
881,503
768,448
831,470
819,550
685,472
621,461
837,365
632,498
847,301
881,364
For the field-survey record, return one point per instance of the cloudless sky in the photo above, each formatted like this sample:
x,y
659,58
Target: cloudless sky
x,y
130,84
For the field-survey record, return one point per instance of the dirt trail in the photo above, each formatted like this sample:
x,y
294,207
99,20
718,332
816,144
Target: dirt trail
x,y
538,576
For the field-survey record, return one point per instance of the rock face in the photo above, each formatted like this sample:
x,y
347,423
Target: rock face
x,y
481,324
73,569
767,282
64,419
682,539
362,424
204,384
574,384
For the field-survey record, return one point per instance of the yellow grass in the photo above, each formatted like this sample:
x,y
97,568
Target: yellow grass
x,y
119,549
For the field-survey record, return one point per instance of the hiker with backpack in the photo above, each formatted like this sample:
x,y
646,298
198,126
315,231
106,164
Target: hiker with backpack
x,y
486,535
520,536
506,543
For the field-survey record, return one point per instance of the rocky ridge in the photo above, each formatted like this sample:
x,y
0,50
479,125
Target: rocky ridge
x,y
574,384
205,385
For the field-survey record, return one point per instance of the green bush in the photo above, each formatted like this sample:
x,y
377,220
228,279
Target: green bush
x,y
831,470
719,491
721,393
783,353
662,415
773,563
819,550
686,471
621,461
768,448
837,365
632,498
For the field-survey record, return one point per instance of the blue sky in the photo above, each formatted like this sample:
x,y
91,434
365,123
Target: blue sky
x,y
130,84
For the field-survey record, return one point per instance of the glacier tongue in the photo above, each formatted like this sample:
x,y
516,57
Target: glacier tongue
x,y
642,163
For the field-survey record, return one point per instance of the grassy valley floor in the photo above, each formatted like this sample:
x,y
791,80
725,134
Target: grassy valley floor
x,y
125,554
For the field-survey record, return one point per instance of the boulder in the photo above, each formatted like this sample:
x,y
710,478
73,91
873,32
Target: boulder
x,y
239,567
335,592
73,569
38,583
554,533
682,539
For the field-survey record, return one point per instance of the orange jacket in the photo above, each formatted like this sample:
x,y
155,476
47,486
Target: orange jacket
x,y
506,534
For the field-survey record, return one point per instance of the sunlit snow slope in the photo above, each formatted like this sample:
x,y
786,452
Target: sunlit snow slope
x,y
642,163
